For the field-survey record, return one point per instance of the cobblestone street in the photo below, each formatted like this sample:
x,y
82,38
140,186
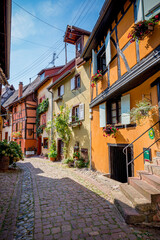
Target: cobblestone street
x,y
45,200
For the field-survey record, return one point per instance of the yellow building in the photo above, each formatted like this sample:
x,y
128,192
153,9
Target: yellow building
x,y
73,90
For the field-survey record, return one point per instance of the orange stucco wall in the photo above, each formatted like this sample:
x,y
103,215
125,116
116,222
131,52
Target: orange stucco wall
x,y
100,154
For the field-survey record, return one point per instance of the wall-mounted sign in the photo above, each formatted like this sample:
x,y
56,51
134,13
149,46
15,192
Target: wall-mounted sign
x,y
147,155
151,133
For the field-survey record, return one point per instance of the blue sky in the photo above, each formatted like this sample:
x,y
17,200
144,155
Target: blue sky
x,y
27,59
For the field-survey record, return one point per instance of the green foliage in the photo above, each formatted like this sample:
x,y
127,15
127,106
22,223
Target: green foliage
x,y
61,123
76,154
42,107
141,111
52,154
68,160
53,146
80,163
11,150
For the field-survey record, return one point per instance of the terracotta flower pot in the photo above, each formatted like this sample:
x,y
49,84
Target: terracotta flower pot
x,y
52,159
4,163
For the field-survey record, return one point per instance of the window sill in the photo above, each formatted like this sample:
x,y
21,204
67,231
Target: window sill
x,y
121,126
75,124
58,98
73,90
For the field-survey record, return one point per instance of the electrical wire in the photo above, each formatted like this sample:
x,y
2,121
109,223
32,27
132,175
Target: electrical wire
x,y
38,44
37,17
81,12
37,60
31,68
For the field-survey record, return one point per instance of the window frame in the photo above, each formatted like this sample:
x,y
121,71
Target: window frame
x,y
73,114
118,112
76,81
45,144
100,65
79,41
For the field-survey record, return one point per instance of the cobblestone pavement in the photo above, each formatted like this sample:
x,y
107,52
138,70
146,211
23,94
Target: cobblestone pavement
x,y
45,200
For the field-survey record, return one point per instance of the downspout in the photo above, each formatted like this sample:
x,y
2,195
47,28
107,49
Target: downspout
x,y
51,113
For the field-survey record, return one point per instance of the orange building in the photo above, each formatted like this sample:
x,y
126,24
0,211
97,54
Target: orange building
x,y
23,104
130,73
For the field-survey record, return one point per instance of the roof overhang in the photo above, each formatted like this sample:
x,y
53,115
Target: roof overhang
x,y
138,74
73,33
108,14
66,74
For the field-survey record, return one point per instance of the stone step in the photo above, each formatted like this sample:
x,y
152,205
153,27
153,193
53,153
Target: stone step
x,y
141,203
127,210
151,179
149,192
152,168
156,161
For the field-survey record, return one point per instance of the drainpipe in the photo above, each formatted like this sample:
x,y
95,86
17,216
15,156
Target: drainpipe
x,y
51,113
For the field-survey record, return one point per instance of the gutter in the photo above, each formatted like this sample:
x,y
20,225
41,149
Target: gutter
x,y
51,114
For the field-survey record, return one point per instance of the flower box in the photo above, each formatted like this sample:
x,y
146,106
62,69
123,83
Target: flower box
x,y
96,78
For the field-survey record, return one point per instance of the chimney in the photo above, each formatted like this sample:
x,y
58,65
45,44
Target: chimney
x,y
20,91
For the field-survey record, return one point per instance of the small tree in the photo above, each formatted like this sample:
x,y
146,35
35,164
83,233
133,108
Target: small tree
x,y
61,123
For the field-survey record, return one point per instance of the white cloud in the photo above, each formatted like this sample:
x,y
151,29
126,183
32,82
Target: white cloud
x,y
22,25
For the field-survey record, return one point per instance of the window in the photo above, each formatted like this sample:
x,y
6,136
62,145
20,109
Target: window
x,y
15,110
79,47
118,111
42,76
75,82
77,113
61,91
16,127
43,119
41,99
30,131
101,59
45,143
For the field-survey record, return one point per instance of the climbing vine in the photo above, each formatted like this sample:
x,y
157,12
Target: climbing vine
x,y
61,123
42,107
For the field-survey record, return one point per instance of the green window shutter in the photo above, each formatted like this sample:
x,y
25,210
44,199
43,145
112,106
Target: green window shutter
x,y
125,109
94,61
102,114
108,49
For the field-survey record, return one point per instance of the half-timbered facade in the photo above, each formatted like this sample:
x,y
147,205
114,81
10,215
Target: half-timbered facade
x,y
130,73
23,104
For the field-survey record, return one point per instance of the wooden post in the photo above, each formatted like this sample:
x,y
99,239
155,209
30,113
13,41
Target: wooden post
x,y
65,53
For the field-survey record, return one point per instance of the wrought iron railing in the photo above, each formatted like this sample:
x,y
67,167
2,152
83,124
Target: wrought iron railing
x,y
125,150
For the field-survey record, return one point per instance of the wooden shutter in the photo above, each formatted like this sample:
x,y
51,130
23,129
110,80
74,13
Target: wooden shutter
x,y
138,11
102,114
94,61
73,83
151,8
125,109
81,111
70,116
62,90
108,49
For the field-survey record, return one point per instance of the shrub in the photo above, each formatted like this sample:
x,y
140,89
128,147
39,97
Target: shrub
x,y
80,163
68,160
52,154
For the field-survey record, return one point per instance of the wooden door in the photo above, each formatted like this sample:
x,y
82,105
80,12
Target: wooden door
x,y
118,164
6,136
60,146
39,145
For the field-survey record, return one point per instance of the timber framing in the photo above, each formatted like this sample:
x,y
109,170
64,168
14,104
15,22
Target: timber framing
x,y
136,76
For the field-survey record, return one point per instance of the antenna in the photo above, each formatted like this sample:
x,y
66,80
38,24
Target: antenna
x,y
53,60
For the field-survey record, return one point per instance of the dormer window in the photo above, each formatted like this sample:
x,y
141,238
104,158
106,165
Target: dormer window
x,y
79,46
42,76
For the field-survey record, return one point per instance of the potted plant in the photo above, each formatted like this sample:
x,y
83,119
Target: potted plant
x,y
96,78
110,131
76,155
143,28
4,155
52,155
142,110
45,156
